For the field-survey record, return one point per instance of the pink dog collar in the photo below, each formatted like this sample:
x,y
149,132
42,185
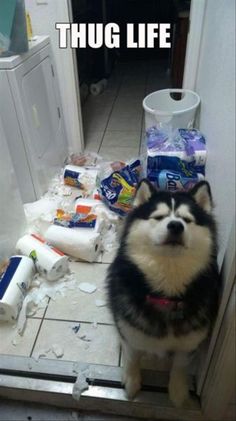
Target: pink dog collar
x,y
164,303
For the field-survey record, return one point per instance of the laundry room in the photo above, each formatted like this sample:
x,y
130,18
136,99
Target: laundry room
x,y
117,122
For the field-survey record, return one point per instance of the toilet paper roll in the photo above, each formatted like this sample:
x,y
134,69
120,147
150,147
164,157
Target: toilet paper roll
x,y
81,177
13,286
49,261
82,243
98,88
199,157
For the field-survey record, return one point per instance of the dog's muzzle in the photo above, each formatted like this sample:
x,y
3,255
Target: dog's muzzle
x,y
175,233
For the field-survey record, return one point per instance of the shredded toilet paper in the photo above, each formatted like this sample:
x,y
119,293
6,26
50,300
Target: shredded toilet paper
x,y
80,385
100,303
87,287
57,350
36,297
21,323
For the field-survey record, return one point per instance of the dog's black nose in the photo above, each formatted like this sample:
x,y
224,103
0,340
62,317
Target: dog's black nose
x,y
175,227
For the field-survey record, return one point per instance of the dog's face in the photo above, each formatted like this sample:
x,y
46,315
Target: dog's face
x,y
173,223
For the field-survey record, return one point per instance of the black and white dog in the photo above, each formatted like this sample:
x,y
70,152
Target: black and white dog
x,y
163,285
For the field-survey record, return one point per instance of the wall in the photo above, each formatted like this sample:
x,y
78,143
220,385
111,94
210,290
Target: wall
x,y
216,86
44,14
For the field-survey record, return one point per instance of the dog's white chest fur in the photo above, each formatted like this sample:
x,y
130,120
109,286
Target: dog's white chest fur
x,y
160,346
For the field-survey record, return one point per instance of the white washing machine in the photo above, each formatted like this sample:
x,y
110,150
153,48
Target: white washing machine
x,y
32,118
12,222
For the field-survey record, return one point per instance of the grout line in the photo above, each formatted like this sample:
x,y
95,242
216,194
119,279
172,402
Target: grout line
x,y
46,308
86,263
42,319
36,338
78,321
143,114
112,108
120,354
103,131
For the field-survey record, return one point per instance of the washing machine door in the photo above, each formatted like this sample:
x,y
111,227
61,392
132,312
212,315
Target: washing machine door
x,y
41,117
12,221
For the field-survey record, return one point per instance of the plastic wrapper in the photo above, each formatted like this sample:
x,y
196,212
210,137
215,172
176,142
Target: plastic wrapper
x,y
172,173
84,159
175,158
83,178
118,183
188,145
174,180
83,218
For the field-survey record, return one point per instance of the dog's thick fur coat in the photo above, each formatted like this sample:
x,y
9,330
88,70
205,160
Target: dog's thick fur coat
x,y
163,285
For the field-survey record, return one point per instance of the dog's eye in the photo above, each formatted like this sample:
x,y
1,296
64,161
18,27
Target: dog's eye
x,y
159,218
187,220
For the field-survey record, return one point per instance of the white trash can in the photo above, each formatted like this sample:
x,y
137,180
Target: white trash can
x,y
161,108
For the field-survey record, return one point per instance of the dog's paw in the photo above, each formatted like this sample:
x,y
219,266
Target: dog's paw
x,y
132,384
178,389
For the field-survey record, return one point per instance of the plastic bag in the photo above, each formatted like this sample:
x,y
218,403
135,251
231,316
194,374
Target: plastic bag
x,y
188,145
175,158
118,183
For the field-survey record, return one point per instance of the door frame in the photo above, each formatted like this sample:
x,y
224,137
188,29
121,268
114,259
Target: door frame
x,y
196,20
51,382
78,125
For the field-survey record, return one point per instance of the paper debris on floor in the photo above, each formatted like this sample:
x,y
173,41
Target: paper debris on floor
x,y
41,353
21,323
57,350
98,225
80,385
76,328
100,303
87,287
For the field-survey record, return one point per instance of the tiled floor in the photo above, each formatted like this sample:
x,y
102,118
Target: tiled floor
x,y
113,126
114,120
96,340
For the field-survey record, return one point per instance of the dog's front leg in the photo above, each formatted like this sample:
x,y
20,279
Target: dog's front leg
x,y
131,370
178,383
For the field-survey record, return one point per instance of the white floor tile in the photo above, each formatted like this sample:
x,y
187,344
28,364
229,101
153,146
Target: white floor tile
x,y
105,99
95,122
155,85
143,144
136,79
128,103
92,141
127,122
135,91
38,312
81,306
121,139
13,344
89,272
121,154
103,347
129,108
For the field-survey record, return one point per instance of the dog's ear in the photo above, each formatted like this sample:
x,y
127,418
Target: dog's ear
x,y
144,191
202,195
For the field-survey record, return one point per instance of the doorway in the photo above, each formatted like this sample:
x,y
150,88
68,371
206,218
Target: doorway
x,y
113,119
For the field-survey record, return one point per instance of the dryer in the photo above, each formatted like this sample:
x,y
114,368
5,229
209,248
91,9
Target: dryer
x,y
31,113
